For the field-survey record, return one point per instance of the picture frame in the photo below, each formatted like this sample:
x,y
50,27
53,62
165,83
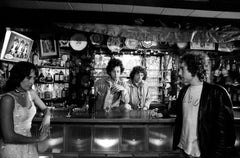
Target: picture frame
x,y
48,46
16,47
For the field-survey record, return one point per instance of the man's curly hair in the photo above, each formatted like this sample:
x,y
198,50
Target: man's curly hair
x,y
195,62
136,70
114,63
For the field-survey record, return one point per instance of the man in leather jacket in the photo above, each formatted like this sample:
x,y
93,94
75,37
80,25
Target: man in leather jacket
x,y
204,123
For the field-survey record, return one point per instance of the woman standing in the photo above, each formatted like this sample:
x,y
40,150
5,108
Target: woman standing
x,y
17,109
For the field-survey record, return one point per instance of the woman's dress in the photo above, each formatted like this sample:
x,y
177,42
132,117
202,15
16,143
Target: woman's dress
x,y
22,117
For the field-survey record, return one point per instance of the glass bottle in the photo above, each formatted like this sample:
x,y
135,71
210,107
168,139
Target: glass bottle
x,y
47,92
65,90
35,58
91,102
49,77
56,77
41,77
67,63
61,76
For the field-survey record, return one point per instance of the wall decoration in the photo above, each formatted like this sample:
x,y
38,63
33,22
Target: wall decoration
x,y
48,46
78,41
131,43
16,47
114,44
202,46
97,39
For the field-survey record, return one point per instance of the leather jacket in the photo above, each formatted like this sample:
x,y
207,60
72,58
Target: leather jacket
x,y
215,129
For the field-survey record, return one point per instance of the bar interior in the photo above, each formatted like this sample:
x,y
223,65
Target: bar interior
x,y
71,51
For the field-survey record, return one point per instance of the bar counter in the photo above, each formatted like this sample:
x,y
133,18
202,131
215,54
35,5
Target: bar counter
x,y
115,136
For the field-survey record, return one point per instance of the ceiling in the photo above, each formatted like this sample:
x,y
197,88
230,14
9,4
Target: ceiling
x,y
137,12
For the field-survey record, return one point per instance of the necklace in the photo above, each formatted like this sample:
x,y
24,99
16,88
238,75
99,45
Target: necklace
x,y
22,93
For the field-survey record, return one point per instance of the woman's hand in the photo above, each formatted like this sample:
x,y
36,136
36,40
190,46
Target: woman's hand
x,y
45,125
43,143
43,136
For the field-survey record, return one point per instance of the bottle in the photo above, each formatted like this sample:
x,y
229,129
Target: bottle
x,y
61,76
49,77
67,63
91,103
234,66
65,90
41,77
56,77
47,92
35,58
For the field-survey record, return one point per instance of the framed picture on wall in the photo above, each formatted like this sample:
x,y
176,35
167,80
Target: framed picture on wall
x,y
16,47
48,46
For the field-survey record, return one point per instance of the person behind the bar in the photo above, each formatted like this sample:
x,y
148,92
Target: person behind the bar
x,y
17,109
205,122
111,92
138,89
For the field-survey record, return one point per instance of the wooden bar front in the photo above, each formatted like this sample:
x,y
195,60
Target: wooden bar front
x,y
114,137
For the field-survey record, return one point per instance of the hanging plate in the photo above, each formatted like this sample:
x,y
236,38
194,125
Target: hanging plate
x,y
114,44
131,43
182,45
78,42
147,44
96,39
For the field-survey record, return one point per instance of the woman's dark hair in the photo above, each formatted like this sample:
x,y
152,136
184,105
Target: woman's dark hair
x,y
17,74
114,63
137,70
195,62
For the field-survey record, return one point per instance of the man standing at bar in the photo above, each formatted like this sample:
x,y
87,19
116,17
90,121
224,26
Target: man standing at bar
x,y
204,123
111,92
138,89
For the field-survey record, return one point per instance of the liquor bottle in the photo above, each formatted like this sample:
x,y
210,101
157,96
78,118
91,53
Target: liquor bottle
x,y
56,77
61,76
67,63
47,92
49,77
91,103
41,77
234,66
35,58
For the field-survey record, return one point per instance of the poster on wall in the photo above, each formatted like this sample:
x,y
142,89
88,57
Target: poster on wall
x,y
48,46
16,47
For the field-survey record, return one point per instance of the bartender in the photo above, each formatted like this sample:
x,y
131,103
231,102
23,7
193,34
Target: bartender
x,y
138,89
111,92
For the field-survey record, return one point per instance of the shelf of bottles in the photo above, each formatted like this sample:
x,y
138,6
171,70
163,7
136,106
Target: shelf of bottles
x,y
226,72
52,84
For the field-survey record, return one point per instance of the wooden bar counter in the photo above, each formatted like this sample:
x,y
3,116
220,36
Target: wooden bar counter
x,y
115,136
